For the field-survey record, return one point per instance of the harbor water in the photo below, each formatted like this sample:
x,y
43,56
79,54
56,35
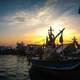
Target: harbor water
x,y
14,67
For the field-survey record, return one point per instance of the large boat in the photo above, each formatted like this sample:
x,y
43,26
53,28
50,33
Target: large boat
x,y
57,60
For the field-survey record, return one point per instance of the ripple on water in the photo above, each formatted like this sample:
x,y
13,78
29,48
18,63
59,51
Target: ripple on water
x,y
13,68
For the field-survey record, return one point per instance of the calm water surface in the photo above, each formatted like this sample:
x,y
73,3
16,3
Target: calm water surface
x,y
13,67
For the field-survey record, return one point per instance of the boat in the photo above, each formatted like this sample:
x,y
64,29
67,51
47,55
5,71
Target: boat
x,y
57,60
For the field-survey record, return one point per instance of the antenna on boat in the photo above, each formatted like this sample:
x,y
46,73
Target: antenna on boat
x,y
50,31
51,37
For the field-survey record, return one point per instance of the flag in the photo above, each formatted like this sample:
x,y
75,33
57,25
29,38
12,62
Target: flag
x,y
61,38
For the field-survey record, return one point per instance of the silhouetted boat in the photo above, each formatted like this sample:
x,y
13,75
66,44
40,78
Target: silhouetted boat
x,y
61,61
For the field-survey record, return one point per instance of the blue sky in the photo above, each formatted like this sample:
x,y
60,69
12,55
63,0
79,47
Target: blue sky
x,y
19,18
10,6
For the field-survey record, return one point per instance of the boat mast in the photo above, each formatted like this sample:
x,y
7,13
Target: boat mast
x,y
52,38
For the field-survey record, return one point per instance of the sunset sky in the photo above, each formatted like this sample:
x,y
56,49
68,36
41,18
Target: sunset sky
x,y
29,20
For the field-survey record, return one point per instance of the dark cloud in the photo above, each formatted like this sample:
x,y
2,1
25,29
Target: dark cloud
x,y
10,6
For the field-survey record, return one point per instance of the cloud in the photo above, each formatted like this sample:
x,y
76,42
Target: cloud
x,y
27,21
38,19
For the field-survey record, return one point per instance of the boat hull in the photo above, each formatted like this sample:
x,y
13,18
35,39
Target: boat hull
x,y
42,72
39,73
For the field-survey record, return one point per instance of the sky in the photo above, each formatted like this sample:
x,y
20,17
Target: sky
x,y
29,20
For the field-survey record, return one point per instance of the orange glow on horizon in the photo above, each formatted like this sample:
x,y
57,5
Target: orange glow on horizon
x,y
39,37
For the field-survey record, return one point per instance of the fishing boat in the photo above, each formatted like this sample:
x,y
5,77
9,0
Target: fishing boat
x,y
58,60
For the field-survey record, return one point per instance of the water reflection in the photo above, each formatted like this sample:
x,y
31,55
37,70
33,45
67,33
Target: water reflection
x,y
13,68
16,68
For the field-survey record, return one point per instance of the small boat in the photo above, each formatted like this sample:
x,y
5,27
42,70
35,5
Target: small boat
x,y
61,61
64,71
